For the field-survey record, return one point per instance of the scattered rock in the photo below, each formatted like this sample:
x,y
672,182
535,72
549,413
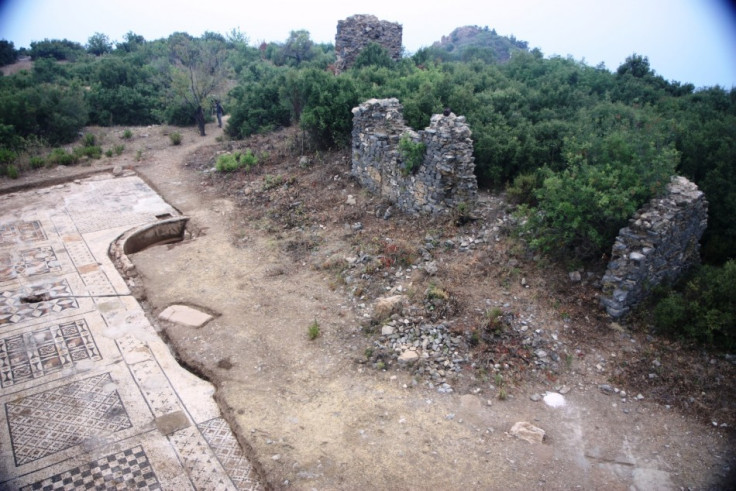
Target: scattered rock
x,y
535,397
554,399
408,355
387,330
575,276
528,432
351,200
387,306
431,268
606,389
117,170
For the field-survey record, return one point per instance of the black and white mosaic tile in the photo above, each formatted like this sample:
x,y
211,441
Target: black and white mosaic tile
x,y
51,421
129,469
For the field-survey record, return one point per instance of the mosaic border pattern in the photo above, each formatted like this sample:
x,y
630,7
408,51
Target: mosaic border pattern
x,y
35,354
221,440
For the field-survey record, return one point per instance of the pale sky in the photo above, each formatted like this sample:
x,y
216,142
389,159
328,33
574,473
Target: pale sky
x,y
685,40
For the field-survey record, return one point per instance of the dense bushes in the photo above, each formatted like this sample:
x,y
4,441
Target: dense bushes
x,y
617,159
8,54
703,307
49,111
58,49
591,145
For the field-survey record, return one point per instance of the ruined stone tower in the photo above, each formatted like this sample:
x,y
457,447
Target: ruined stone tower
x,y
358,31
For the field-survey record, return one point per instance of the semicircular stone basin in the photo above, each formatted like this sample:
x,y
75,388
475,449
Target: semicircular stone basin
x,y
156,233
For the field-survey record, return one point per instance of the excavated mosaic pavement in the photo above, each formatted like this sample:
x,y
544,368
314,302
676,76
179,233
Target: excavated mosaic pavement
x,y
91,396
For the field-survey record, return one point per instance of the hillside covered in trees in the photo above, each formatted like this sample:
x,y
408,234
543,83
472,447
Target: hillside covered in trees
x,y
578,148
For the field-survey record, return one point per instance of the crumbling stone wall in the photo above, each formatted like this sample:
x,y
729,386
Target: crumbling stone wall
x,y
445,180
660,243
358,31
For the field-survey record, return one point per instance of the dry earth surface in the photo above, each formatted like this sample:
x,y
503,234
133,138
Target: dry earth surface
x,y
485,331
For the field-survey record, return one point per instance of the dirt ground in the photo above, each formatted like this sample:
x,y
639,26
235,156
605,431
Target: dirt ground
x,y
295,242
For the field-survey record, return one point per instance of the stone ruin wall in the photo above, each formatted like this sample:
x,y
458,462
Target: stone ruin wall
x,y
443,182
660,243
358,31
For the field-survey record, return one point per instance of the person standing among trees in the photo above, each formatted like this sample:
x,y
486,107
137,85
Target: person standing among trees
x,y
218,111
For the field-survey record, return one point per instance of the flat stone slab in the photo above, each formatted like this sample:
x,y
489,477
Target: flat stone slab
x,y
185,315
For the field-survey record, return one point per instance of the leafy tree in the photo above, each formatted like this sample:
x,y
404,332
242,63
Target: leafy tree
x,y
58,49
635,65
257,103
99,44
131,42
198,70
8,54
298,47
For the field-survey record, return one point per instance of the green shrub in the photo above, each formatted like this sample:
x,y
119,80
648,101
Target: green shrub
x,y
89,140
37,162
92,152
230,162
175,138
270,181
108,153
118,149
702,307
12,171
59,156
7,156
127,134
313,331
523,190
412,154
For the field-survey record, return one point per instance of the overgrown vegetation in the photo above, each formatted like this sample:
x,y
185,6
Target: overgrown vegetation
x,y
578,147
412,154
702,308
230,162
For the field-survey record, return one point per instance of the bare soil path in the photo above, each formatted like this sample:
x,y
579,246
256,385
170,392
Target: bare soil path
x,y
316,415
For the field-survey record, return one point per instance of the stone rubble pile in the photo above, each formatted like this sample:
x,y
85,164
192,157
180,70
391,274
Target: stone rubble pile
x,y
660,243
444,182
358,31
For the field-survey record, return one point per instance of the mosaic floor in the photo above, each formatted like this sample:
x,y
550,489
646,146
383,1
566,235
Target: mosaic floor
x,y
90,396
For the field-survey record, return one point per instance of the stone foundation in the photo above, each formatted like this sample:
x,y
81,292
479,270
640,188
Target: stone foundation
x,y
660,243
445,180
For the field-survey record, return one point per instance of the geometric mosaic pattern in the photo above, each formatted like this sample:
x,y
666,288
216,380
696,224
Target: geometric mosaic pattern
x,y
51,421
203,467
21,232
128,469
157,391
40,260
14,310
32,355
220,438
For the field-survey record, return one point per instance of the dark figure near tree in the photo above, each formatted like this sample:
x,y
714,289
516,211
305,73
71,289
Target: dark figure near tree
x,y
199,116
218,111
